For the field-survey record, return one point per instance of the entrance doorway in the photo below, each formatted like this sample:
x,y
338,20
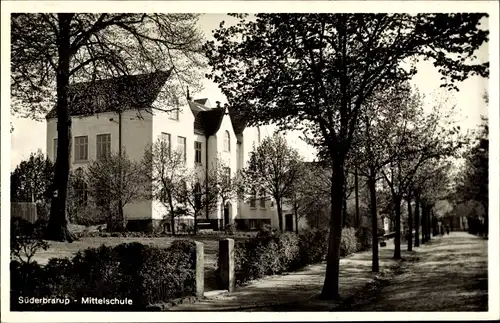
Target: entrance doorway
x,y
289,222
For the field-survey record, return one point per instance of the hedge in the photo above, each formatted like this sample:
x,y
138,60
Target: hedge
x,y
271,253
141,273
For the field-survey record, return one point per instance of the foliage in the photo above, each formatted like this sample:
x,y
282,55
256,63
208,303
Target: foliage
x,y
348,242
31,180
230,229
143,273
313,245
364,238
49,51
25,240
226,182
313,72
165,170
198,192
273,169
116,181
272,252
472,180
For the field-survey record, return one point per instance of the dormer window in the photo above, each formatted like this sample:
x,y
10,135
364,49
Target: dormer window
x,y
227,141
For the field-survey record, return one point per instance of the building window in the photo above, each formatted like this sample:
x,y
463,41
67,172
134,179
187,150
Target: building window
x,y
103,144
253,198
181,146
227,141
81,148
197,152
262,200
197,196
55,149
258,136
173,114
252,224
82,193
165,142
227,174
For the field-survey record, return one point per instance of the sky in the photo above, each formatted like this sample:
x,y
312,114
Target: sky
x,y
29,136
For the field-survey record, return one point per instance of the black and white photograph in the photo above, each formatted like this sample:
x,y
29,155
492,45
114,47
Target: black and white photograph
x,y
301,160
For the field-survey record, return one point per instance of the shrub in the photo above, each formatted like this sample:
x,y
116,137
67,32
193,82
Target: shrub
x,y
364,236
230,229
25,240
313,246
266,255
143,273
348,242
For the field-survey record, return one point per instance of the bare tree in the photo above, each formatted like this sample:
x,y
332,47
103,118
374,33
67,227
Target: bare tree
x,y
227,184
272,170
113,179
50,50
165,169
198,191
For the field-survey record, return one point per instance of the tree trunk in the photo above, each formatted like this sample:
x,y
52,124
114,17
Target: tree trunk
x,y
57,227
344,211
397,238
373,208
172,213
431,223
425,226
331,285
296,220
417,220
280,213
195,226
410,224
357,220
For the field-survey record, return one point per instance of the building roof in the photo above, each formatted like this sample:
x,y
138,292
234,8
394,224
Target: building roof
x,y
140,92
203,101
120,93
237,120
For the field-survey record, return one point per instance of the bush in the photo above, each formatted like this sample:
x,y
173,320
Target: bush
x,y
26,239
266,255
313,245
271,253
143,273
230,229
348,242
364,236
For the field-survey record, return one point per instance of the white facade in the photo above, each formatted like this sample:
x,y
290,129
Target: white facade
x,y
139,132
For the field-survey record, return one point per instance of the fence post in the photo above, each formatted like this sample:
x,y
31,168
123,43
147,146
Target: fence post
x,y
200,269
226,263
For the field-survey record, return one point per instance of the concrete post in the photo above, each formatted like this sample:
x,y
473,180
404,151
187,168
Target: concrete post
x,y
226,264
200,269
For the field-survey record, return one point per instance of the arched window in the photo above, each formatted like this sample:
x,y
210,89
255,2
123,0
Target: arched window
x,y
227,141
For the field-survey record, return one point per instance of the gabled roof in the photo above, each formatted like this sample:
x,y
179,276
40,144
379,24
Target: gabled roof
x,y
204,102
208,122
120,93
237,120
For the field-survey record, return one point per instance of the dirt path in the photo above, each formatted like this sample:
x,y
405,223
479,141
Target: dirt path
x,y
451,274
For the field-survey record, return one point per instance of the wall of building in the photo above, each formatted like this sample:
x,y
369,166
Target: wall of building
x,y
183,127
136,134
229,158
